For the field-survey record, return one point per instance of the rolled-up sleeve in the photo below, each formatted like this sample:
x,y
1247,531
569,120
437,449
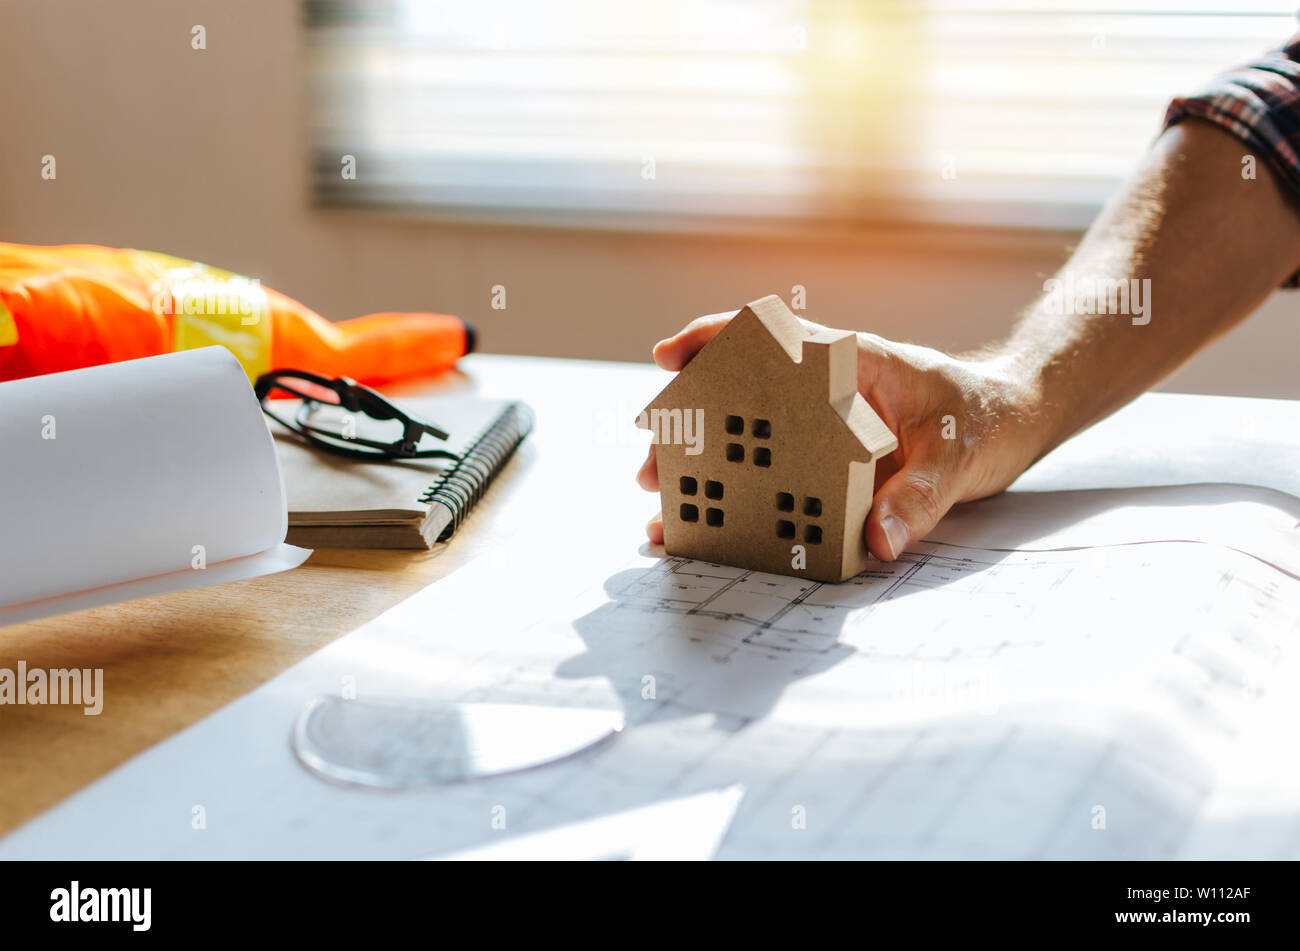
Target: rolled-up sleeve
x,y
1259,103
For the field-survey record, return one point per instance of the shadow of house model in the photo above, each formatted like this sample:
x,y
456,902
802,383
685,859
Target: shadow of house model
x,y
766,451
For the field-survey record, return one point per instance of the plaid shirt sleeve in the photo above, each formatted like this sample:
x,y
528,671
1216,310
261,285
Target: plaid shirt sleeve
x,y
1259,103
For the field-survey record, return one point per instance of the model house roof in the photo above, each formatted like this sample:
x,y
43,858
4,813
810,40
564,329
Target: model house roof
x,y
830,354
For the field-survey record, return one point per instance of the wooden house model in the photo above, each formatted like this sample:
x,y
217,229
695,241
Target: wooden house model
x,y
766,451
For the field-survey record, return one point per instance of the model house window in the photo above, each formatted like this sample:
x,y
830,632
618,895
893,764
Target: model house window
x,y
580,111
762,429
812,508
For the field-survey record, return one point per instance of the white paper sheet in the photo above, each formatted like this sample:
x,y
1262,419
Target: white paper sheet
x,y
1179,438
680,830
135,478
1256,521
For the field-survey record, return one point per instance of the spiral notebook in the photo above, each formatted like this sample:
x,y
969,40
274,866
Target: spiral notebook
x,y
336,502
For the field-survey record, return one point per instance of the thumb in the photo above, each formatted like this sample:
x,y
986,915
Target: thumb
x,y
908,506
676,351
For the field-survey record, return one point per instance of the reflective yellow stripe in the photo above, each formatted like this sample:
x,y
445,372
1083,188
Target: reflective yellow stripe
x,y
210,305
8,329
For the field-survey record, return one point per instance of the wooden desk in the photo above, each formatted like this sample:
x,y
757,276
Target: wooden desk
x,y
169,661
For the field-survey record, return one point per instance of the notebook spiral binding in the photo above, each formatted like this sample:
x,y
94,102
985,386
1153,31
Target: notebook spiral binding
x,y
460,487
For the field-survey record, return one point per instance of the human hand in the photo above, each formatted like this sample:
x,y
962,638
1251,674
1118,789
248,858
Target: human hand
x,y
966,428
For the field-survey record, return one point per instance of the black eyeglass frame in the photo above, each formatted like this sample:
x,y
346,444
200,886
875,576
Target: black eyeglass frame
x,y
354,398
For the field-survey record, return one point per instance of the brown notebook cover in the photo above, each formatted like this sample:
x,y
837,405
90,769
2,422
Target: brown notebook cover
x,y
336,502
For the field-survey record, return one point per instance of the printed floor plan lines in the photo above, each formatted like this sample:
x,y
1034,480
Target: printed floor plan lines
x,y
1133,701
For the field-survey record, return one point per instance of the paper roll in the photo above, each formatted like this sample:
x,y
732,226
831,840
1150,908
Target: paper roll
x,y
133,470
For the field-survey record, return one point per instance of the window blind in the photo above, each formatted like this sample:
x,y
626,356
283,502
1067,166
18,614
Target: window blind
x,y
578,111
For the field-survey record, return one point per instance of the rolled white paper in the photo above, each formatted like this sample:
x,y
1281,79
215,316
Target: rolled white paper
x,y
133,470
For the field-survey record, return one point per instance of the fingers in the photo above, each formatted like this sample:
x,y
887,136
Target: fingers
x,y
675,352
908,506
648,475
648,479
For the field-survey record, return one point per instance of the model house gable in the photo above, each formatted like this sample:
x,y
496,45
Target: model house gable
x,y
741,350
821,367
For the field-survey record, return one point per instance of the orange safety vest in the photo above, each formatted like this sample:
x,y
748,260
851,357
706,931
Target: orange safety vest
x,y
78,305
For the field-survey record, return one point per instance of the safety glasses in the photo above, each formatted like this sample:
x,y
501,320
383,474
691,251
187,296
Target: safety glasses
x,y
340,416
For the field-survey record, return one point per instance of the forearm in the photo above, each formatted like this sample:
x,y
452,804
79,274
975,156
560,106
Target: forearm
x,y
1205,246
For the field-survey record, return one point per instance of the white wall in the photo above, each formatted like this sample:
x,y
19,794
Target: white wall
x,y
203,154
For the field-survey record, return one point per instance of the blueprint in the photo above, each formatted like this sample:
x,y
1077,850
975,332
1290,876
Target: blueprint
x,y
1121,701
